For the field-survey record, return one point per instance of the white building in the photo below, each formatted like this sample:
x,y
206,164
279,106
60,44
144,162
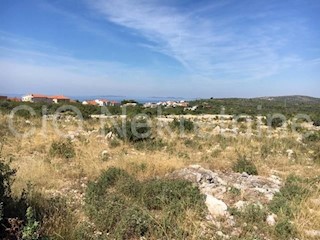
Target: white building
x,y
27,98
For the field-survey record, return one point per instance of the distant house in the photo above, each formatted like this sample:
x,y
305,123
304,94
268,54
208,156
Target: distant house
x,y
14,99
150,105
59,99
90,102
3,97
191,108
130,104
183,104
100,102
114,103
35,98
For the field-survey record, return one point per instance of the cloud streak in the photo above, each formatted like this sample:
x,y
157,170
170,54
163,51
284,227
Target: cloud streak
x,y
214,54
213,47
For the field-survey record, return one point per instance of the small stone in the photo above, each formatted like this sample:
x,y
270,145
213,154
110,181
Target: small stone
x,y
215,206
217,130
236,232
313,233
104,155
109,135
220,234
244,174
240,204
290,153
271,219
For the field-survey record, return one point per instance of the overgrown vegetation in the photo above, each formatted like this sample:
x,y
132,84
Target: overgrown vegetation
x,y
244,165
285,204
182,125
123,208
62,148
131,130
249,218
12,209
144,204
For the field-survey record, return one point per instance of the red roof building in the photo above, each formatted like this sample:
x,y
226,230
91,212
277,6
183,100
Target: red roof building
x,y
14,99
59,99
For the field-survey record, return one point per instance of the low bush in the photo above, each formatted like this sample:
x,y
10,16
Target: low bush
x,y
314,137
252,214
285,203
126,208
284,229
244,165
316,122
131,131
17,220
316,155
150,145
273,122
183,125
63,149
31,229
289,196
113,143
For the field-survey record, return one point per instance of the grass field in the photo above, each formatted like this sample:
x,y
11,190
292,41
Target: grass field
x,y
68,183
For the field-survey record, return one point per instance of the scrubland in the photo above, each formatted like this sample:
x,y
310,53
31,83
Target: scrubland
x,y
82,184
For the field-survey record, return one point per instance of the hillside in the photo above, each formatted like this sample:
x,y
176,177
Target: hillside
x,y
286,105
293,99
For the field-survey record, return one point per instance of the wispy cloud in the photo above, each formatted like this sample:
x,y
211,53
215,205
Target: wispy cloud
x,y
220,56
210,46
31,65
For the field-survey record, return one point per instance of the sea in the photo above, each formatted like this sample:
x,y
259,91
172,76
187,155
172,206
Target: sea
x,y
138,99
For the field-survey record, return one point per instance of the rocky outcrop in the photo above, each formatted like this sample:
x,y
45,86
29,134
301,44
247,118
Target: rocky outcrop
x,y
254,188
224,190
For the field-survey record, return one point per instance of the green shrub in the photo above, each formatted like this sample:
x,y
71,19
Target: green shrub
x,y
106,180
63,149
314,137
132,131
316,122
244,165
183,125
274,122
316,155
284,229
126,208
290,195
6,179
114,143
150,145
31,229
252,214
280,204
294,189
14,209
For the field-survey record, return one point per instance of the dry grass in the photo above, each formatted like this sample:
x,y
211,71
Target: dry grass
x,y
34,164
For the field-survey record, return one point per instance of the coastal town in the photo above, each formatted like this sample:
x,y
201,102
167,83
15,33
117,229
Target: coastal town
x,y
55,99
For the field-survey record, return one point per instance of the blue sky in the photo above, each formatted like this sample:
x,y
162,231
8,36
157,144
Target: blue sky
x,y
204,48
